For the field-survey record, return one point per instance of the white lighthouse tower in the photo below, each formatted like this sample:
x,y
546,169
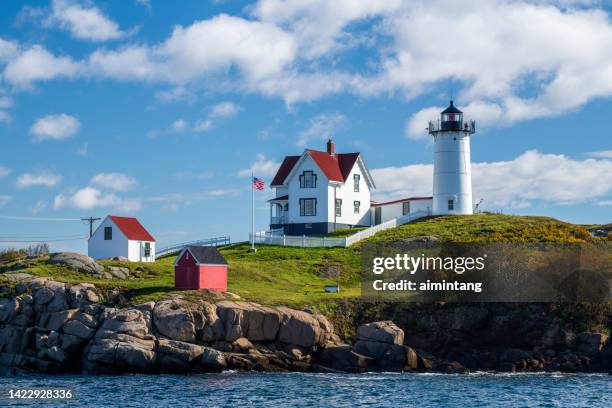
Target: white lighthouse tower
x,y
452,184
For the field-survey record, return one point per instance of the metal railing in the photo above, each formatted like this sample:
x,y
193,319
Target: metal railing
x,y
281,219
276,237
201,242
465,126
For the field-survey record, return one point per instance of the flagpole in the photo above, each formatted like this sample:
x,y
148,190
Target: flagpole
x,y
252,214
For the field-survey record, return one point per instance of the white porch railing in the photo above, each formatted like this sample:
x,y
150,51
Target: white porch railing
x,y
276,237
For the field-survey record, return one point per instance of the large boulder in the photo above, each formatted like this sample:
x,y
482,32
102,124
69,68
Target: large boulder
x,y
299,328
178,319
591,343
177,355
82,294
213,359
77,262
342,358
123,342
375,339
247,319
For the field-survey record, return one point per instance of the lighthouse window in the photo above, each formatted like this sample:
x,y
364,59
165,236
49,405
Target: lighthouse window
x,y
451,204
356,178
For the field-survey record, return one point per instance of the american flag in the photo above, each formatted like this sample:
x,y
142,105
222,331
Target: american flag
x,y
258,184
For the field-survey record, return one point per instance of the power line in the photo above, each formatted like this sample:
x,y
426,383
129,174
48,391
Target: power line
x,y
44,240
14,217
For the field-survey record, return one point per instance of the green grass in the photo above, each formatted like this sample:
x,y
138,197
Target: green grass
x,y
297,276
344,232
488,228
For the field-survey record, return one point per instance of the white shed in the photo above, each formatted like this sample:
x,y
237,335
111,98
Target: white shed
x,y
124,237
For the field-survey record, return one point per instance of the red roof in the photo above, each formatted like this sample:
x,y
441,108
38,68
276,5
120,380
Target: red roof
x,y
284,170
401,200
132,228
335,167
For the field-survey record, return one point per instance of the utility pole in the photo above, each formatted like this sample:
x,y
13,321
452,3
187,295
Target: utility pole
x,y
91,221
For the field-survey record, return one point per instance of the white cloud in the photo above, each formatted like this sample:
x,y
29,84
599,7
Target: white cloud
x,y
604,203
5,199
85,23
55,127
38,64
38,207
146,4
510,60
262,167
4,171
603,154
218,112
89,198
8,49
532,176
321,127
114,181
176,127
43,178
318,26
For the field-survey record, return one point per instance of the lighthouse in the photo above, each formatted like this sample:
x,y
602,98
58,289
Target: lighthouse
x,y
452,184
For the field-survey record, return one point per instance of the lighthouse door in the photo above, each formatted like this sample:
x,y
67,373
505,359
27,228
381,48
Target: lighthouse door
x,y
377,215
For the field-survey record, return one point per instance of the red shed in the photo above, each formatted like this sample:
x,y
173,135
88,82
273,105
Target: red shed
x,y
200,267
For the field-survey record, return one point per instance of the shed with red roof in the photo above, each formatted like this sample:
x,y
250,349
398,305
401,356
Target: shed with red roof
x,y
200,267
122,237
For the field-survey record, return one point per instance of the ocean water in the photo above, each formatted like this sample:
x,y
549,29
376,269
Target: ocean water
x,y
320,390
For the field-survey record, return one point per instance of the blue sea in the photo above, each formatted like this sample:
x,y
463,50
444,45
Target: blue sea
x,y
320,390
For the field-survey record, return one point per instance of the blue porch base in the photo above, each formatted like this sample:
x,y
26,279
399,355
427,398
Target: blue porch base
x,y
313,228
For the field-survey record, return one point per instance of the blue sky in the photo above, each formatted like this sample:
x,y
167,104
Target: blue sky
x,y
161,109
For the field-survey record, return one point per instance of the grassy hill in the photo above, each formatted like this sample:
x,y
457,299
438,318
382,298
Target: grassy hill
x,y
296,276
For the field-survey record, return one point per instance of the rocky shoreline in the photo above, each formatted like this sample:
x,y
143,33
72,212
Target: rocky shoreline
x,y
53,327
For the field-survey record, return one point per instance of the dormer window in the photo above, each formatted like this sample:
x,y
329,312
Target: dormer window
x,y
308,179
356,178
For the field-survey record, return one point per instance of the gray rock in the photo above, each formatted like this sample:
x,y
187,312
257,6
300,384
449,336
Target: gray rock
x,y
82,294
119,272
43,296
213,359
299,328
54,354
376,339
178,319
55,321
9,308
591,343
77,328
186,352
342,358
78,262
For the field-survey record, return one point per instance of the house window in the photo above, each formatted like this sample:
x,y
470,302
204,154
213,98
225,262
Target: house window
x,y
308,180
356,178
308,207
147,249
108,233
451,204
338,207
406,207
356,205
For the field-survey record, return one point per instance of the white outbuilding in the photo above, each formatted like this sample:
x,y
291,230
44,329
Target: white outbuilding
x,y
122,237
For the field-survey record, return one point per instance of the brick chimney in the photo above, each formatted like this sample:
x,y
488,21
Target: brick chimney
x,y
330,147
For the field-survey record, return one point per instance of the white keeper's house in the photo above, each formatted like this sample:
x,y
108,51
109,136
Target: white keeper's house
x,y
319,192
122,237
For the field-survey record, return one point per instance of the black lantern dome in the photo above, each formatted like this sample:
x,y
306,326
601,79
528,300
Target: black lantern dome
x,y
452,118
